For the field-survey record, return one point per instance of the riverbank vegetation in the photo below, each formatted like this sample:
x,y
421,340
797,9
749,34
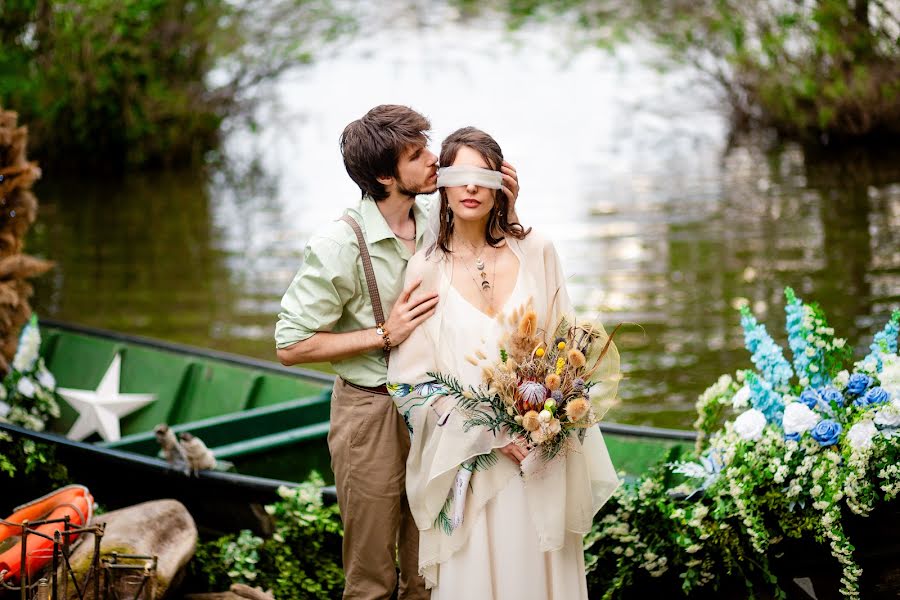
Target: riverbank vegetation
x,y
820,71
114,84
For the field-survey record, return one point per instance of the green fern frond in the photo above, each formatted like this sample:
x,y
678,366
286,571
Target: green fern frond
x,y
443,519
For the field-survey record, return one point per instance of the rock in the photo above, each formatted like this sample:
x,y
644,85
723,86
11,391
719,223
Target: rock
x,y
162,528
238,591
245,591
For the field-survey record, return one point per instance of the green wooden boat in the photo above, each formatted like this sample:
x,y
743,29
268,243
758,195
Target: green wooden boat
x,y
269,421
266,419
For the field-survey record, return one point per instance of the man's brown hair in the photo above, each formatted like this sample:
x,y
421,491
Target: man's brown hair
x,y
372,145
498,225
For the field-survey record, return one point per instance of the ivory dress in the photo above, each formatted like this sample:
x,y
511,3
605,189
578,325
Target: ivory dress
x,y
521,535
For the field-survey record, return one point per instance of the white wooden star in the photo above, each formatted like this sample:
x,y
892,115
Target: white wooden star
x,y
100,410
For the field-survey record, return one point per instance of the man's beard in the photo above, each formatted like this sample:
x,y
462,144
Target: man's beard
x,y
411,191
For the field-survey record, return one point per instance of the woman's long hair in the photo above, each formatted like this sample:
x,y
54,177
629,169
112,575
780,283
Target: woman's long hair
x,y
498,225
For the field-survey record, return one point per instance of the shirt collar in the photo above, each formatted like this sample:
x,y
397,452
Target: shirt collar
x,y
376,227
373,222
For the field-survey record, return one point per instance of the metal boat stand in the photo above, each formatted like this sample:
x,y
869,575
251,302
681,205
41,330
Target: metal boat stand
x,y
60,551
116,568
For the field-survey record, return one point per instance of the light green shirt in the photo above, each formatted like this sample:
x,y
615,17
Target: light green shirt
x,y
329,292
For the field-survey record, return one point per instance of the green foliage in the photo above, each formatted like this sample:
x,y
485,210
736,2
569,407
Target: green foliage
x,y
301,560
762,489
28,399
112,83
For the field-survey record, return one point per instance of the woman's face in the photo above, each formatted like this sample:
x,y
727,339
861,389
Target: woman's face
x,y
470,202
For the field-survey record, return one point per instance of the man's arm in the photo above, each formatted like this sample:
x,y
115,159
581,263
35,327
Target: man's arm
x,y
324,346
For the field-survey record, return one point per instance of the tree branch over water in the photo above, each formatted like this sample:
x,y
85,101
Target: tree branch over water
x,y
822,70
132,83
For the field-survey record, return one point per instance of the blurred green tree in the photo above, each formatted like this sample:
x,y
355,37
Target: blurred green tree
x,y
133,83
818,69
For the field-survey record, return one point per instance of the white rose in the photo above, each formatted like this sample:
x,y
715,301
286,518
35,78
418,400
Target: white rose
x,y
750,424
4,409
798,418
861,434
554,426
888,416
741,398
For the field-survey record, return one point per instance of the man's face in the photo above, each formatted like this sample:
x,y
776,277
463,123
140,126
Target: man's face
x,y
416,171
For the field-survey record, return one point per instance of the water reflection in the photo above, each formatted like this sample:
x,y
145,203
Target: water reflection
x,y
658,220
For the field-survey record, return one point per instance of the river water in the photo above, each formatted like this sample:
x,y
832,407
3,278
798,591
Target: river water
x,y
661,219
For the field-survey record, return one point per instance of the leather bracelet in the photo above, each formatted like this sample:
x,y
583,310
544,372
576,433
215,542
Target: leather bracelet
x,y
381,330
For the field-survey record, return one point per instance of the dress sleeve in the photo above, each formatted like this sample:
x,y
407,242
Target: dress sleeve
x,y
559,302
321,288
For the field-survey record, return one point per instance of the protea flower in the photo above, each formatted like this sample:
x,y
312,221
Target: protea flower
x,y
533,394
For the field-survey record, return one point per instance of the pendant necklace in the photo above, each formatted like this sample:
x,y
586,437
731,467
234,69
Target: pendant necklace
x,y
479,264
485,285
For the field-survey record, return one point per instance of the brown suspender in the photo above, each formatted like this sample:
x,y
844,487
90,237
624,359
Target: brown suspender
x,y
374,296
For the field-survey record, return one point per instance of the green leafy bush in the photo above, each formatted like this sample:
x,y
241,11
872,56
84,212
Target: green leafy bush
x,y
302,559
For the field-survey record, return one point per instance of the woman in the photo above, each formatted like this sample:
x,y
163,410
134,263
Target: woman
x,y
496,521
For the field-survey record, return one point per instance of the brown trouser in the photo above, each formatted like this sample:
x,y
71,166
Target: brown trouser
x,y
369,442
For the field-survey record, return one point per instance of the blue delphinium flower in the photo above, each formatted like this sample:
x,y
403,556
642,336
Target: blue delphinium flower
x,y
885,341
793,309
764,398
857,384
810,397
826,432
767,355
876,395
805,339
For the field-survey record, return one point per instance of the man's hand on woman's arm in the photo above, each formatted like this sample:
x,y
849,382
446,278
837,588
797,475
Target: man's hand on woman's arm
x,y
407,314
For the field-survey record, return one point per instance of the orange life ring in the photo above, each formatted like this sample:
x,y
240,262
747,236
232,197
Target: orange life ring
x,y
74,501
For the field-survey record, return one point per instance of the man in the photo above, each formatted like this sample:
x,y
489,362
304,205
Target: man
x,y
327,315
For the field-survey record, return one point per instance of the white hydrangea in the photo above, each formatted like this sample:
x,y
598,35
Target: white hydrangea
x,y
46,378
841,379
26,387
750,424
799,418
861,434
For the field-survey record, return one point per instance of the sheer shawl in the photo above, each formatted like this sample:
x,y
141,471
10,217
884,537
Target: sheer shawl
x,y
563,495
